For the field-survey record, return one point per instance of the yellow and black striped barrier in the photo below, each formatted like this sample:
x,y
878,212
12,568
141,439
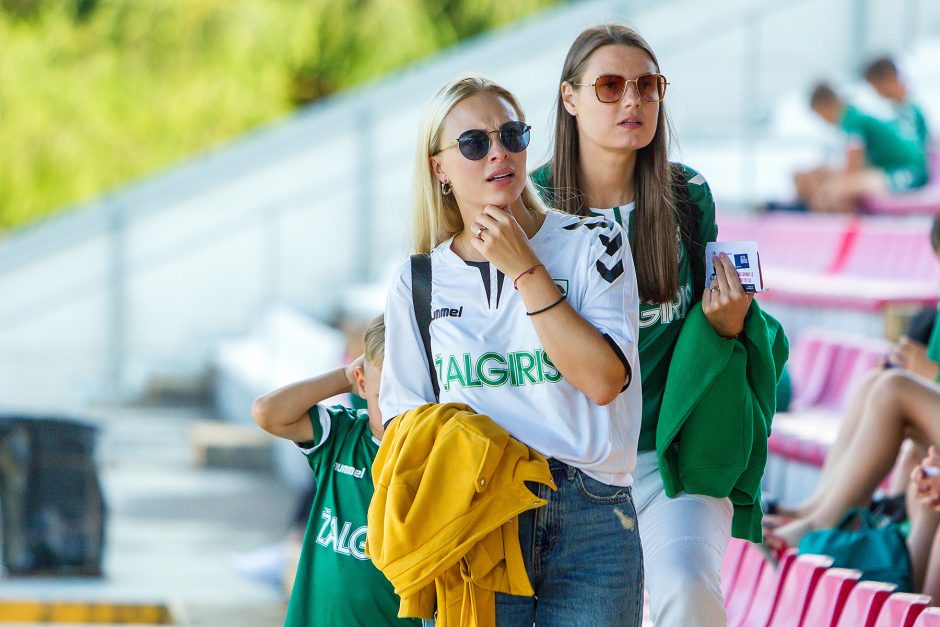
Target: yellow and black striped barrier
x,y
13,611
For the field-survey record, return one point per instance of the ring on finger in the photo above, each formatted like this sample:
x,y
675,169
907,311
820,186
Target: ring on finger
x,y
714,289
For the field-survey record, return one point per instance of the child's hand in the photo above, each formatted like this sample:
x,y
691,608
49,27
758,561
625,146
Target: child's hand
x,y
350,371
926,480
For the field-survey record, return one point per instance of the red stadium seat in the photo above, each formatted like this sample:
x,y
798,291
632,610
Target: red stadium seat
x,y
928,618
798,590
830,597
902,609
864,602
734,555
767,592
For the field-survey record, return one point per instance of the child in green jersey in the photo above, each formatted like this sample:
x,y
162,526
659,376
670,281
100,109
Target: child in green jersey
x,y
336,583
879,158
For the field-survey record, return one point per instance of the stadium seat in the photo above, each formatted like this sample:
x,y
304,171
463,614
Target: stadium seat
x,y
925,201
902,609
832,591
798,589
864,602
738,599
767,592
734,555
928,618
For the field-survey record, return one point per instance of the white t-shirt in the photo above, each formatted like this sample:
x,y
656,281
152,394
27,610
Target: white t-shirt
x,y
488,355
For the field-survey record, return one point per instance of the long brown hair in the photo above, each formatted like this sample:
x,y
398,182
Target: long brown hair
x,y
655,243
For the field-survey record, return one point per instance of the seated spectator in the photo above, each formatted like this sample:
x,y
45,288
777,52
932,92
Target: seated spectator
x,y
883,75
900,405
893,404
879,158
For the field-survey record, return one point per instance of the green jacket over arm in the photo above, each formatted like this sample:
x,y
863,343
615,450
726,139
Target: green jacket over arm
x,y
718,405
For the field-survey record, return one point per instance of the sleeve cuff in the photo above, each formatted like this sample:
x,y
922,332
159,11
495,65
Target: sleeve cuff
x,y
623,359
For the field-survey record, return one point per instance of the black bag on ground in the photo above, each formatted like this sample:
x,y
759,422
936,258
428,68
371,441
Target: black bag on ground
x,y
51,505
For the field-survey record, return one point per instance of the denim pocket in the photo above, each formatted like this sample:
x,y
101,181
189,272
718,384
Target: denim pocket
x,y
598,492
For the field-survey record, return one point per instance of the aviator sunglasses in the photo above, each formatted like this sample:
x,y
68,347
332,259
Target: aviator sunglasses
x,y
475,143
611,87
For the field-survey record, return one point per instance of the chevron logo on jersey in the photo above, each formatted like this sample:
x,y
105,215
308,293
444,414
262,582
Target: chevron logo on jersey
x,y
609,269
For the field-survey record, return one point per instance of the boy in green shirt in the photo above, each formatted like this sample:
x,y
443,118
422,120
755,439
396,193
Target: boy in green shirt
x,y
336,583
879,158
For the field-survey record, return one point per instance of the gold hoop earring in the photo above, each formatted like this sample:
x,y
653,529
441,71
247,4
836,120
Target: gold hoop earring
x,y
446,188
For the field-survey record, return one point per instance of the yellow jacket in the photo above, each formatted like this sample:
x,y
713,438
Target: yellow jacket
x,y
443,523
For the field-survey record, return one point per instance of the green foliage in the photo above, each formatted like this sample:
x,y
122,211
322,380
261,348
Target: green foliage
x,y
96,92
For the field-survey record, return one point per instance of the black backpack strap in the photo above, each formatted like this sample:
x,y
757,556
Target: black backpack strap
x,y
687,214
421,301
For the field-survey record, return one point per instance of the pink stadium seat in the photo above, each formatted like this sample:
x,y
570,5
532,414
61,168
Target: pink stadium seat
x,y
735,226
891,248
880,262
928,618
924,201
734,555
805,242
767,592
830,597
798,590
811,371
738,600
902,609
864,602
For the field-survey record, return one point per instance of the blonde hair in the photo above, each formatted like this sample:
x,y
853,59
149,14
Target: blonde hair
x,y
436,216
375,341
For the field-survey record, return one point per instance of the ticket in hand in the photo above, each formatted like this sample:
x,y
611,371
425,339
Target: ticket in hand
x,y
746,262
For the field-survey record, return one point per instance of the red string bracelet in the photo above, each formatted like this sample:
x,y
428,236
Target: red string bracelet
x,y
522,274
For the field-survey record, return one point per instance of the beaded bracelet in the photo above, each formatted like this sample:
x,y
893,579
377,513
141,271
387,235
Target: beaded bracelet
x,y
521,274
544,309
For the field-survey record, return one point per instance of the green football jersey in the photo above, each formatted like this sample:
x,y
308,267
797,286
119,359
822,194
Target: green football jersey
x,y
659,323
902,158
912,124
336,582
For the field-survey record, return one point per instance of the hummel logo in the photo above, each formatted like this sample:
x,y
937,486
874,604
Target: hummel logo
x,y
445,312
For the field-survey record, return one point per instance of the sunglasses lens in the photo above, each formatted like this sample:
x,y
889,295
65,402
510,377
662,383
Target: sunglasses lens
x,y
609,88
514,136
474,144
652,87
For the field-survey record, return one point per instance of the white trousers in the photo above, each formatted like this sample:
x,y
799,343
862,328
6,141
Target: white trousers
x,y
684,541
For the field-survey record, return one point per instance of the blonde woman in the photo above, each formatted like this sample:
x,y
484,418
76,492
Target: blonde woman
x,y
537,328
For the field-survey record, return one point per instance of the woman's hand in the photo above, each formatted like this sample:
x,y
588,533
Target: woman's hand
x,y
724,302
502,242
912,356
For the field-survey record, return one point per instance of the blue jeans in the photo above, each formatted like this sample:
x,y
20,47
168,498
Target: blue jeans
x,y
583,556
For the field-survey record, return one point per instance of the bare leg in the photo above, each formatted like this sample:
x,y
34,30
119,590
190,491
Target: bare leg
x,y
932,576
921,543
851,187
909,458
836,458
901,405
807,183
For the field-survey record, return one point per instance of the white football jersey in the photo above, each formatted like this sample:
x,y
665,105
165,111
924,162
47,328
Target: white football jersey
x,y
488,355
